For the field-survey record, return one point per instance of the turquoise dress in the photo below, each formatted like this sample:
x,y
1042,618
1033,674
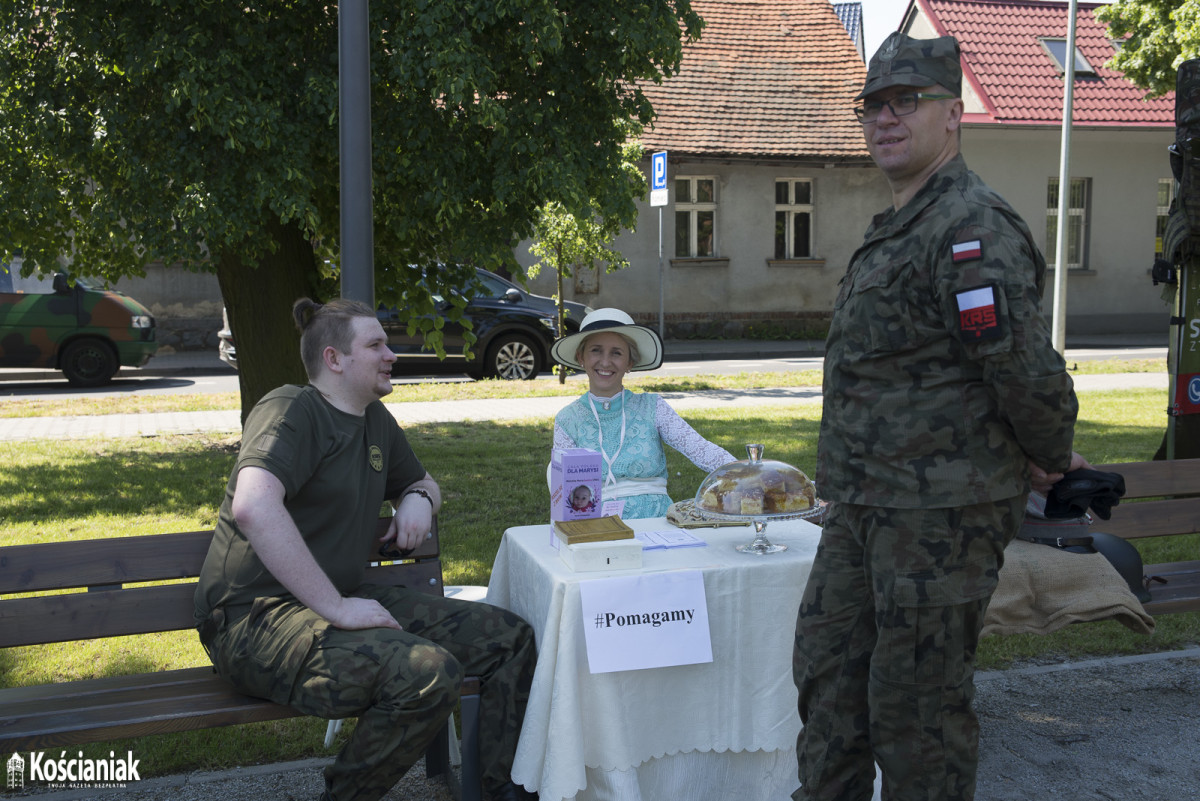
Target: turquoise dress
x,y
648,421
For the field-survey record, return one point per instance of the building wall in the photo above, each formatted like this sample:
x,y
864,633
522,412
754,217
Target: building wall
x,y
739,288
740,293
1114,294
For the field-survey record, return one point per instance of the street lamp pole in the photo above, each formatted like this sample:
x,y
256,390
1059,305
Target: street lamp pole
x,y
357,261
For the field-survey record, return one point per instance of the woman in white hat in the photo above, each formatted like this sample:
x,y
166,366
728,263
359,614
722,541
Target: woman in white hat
x,y
628,429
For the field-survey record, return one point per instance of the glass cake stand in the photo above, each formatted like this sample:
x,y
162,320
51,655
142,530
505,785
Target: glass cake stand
x,y
757,491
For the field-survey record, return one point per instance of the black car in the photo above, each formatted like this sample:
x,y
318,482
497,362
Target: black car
x,y
513,330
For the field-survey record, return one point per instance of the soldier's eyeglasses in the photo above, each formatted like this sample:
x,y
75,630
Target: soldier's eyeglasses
x,y
900,105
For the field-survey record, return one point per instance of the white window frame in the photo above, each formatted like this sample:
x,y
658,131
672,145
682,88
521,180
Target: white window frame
x,y
695,210
1078,213
790,209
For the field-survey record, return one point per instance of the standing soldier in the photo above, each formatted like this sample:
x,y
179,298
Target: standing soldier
x,y
944,399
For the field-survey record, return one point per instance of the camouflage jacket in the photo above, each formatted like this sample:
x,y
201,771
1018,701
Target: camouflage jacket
x,y
940,376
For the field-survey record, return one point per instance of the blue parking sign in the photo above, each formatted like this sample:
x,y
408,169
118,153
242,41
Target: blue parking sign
x,y
658,179
658,172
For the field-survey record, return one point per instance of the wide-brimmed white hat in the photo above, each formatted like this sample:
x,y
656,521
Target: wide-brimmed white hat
x,y
649,346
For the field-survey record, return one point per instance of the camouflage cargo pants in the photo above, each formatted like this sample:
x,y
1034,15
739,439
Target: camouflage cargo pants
x,y
401,685
884,658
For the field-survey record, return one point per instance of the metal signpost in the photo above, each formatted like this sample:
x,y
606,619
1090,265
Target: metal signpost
x,y
659,197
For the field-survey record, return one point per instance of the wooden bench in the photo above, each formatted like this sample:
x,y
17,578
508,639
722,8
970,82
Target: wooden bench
x,y
1175,487
108,597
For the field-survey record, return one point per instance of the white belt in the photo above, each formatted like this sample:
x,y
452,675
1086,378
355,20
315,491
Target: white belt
x,y
628,487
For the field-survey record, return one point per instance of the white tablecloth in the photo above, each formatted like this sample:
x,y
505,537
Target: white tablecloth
x,y
723,730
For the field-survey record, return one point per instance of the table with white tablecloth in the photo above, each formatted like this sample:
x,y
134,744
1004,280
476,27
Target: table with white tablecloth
x,y
720,730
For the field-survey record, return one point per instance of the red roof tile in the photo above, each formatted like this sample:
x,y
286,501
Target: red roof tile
x,y
1006,63
767,79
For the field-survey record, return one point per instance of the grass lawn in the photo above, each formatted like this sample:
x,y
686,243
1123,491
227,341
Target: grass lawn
x,y
492,475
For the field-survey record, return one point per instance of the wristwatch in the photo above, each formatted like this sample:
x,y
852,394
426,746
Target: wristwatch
x,y
418,491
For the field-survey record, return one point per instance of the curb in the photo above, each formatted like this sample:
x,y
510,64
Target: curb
x,y
1105,661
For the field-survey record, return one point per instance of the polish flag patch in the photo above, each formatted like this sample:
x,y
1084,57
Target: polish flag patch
x,y
978,315
966,251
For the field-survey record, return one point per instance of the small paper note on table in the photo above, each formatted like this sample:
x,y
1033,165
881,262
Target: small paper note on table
x,y
669,538
645,621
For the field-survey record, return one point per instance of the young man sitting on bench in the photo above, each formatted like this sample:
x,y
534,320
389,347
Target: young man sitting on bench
x,y
281,606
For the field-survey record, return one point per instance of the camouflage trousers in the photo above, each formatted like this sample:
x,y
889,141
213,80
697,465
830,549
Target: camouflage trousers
x,y
401,685
884,659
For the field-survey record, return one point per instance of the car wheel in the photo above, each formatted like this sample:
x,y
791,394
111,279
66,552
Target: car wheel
x,y
88,363
512,357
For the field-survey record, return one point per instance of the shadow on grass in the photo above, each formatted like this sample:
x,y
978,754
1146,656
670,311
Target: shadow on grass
x,y
74,481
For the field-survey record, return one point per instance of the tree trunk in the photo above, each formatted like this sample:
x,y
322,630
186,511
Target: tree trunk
x,y
258,300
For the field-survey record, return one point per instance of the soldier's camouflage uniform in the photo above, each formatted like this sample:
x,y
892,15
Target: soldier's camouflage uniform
x,y
940,382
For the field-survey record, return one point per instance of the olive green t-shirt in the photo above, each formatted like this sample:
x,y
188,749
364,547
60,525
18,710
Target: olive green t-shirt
x,y
337,469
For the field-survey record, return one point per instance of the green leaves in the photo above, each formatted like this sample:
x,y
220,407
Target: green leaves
x,y
173,130
1162,34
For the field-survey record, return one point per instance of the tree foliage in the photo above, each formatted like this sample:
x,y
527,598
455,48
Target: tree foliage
x,y
564,240
204,133
1158,35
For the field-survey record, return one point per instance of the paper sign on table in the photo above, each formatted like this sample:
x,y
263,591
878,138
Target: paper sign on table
x,y
645,621
669,538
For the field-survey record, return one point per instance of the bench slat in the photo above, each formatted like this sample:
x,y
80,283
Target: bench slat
x,y
85,689
89,615
1152,518
198,687
128,560
1153,479
177,700
90,563
145,610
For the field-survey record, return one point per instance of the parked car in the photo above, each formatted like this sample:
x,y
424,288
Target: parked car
x,y
514,330
85,331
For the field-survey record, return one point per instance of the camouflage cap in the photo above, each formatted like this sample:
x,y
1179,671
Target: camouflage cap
x,y
904,61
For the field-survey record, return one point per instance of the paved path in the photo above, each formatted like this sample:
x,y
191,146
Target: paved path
x,y
155,423
1096,730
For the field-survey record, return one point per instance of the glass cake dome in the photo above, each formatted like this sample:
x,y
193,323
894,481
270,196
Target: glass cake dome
x,y
758,490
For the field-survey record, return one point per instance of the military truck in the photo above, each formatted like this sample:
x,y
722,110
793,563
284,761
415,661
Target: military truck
x,y
73,326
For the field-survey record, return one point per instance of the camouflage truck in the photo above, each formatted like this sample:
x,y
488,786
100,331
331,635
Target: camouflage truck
x,y
86,332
